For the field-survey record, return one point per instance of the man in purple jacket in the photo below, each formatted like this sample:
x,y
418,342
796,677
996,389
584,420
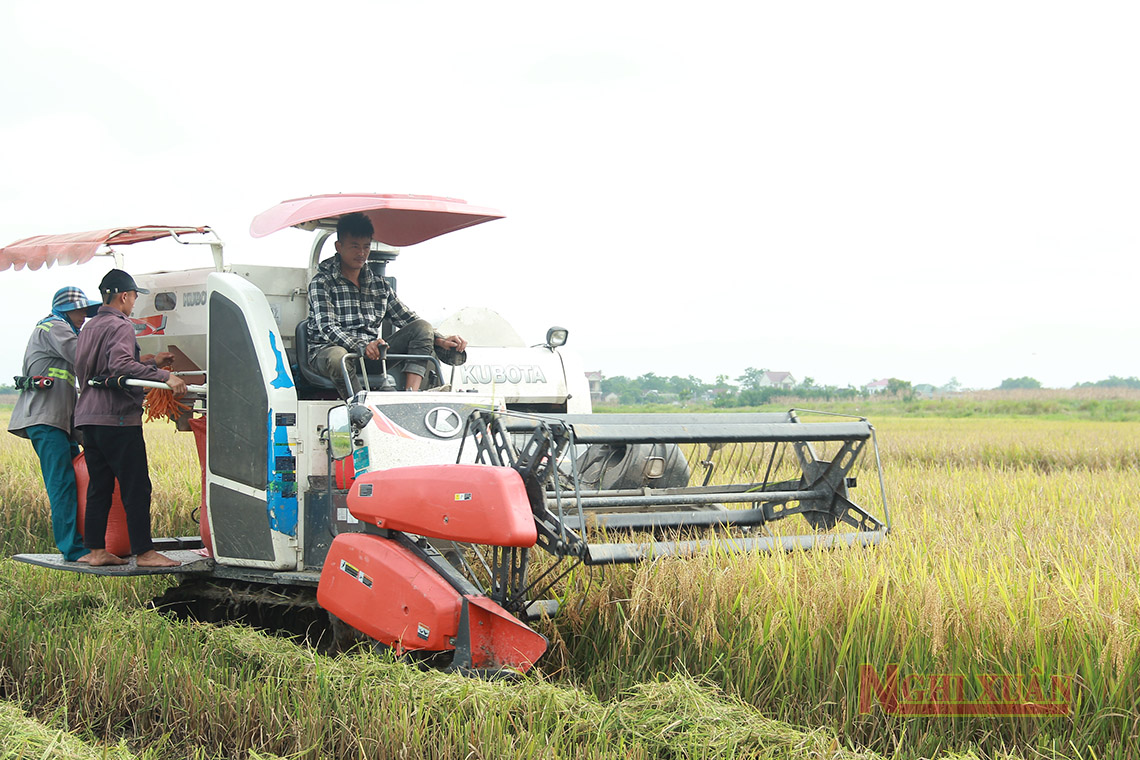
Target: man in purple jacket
x,y
111,422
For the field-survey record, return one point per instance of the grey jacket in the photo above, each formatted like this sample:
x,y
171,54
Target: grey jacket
x,y
107,347
50,353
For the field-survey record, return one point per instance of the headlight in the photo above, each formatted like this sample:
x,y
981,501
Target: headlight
x,y
556,336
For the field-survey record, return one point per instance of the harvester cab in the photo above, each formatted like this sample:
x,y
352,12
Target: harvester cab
x,y
409,518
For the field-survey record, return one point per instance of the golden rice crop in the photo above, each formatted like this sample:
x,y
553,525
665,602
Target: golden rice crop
x,y
1014,550
72,647
25,517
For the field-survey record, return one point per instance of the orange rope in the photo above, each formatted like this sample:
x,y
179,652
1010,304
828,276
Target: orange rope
x,y
160,402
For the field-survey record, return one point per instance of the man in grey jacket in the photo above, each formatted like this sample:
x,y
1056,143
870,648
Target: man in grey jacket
x,y
111,422
43,414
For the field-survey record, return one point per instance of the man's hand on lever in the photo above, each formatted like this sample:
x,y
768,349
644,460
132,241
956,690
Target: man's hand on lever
x,y
372,350
452,341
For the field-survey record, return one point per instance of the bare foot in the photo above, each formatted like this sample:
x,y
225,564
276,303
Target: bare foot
x,y
85,559
101,557
154,559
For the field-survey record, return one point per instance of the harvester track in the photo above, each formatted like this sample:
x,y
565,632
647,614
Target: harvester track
x,y
288,610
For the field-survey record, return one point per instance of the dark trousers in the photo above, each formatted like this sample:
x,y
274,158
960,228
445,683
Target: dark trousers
x,y
117,453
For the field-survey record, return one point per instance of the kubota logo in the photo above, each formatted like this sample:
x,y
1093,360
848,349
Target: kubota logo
x,y
992,694
485,374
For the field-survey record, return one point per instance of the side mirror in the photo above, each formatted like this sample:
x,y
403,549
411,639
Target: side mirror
x,y
340,433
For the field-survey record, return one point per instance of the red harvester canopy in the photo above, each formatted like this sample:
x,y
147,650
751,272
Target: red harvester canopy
x,y
399,220
79,247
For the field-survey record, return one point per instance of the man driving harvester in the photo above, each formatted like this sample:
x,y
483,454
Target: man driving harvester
x,y
347,306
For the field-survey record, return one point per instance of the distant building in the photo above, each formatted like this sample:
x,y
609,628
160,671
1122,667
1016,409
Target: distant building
x,y
925,390
777,380
876,386
712,394
595,381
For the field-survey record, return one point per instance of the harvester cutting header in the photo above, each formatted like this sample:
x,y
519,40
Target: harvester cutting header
x,y
412,518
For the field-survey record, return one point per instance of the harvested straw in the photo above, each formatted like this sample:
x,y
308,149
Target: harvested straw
x,y
160,402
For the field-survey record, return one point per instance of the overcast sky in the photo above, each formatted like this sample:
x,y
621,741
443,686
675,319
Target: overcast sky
x,y
842,190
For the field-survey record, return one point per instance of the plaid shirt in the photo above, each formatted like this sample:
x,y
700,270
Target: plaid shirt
x,y
342,314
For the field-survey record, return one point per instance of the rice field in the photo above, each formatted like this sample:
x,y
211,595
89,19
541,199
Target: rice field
x,y
1013,554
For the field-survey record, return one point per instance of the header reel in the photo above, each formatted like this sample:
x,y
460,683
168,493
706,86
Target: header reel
x,y
677,485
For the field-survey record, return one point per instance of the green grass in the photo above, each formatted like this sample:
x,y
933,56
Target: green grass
x,y
22,738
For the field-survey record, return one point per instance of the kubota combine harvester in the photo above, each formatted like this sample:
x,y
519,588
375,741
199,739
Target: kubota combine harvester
x,y
411,518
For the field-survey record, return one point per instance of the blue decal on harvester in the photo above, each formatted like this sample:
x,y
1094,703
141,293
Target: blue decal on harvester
x,y
360,460
281,491
282,380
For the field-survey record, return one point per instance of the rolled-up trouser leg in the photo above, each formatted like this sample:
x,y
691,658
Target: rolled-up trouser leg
x,y
415,338
328,363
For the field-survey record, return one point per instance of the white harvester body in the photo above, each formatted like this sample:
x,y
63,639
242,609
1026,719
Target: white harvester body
x,y
409,517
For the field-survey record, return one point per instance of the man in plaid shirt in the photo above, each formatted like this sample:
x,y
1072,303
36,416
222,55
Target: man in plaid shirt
x,y
348,303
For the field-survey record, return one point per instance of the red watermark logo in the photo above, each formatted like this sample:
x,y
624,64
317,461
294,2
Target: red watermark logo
x,y
988,694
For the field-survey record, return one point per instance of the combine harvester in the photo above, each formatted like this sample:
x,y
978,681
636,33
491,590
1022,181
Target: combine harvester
x,y
410,518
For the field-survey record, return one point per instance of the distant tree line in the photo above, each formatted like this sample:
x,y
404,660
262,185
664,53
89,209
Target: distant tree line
x,y
746,390
644,389
1030,383
1112,382
1019,383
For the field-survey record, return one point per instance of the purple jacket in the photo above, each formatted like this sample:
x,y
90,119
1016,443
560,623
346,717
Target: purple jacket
x,y
107,347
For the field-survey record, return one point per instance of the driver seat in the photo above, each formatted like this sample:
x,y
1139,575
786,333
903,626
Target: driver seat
x,y
313,378
307,371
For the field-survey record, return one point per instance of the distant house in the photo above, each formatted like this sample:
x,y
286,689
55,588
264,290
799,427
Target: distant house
x,y
777,380
595,381
876,386
925,390
712,394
